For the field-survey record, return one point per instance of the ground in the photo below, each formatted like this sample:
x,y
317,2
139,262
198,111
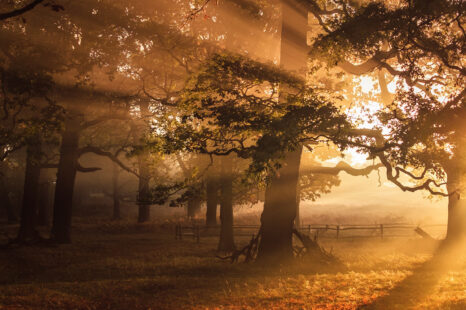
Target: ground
x,y
123,265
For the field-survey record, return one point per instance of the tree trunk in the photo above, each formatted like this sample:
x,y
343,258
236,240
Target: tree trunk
x,y
5,201
116,193
297,220
66,175
280,211
10,209
211,201
27,230
280,203
194,205
144,173
226,242
43,216
144,190
456,229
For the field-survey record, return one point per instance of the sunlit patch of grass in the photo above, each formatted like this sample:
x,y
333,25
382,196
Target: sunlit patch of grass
x,y
141,268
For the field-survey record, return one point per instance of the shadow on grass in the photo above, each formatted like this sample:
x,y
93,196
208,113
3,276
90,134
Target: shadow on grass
x,y
254,269
415,288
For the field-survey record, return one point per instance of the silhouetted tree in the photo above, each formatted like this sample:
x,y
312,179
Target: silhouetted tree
x,y
421,44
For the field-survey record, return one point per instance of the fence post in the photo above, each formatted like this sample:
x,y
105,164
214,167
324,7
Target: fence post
x,y
181,232
381,231
338,231
309,229
197,234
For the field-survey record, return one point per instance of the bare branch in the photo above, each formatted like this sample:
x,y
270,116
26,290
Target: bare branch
x,y
343,167
103,119
20,11
86,169
369,65
98,151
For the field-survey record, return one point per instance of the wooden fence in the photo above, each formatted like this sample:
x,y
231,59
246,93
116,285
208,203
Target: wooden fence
x,y
316,231
187,231
364,231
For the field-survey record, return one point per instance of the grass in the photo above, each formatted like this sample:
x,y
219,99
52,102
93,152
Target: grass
x,y
127,266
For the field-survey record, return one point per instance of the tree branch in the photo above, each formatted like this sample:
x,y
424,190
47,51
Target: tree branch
x,y
98,151
86,169
393,173
343,167
369,65
103,119
20,11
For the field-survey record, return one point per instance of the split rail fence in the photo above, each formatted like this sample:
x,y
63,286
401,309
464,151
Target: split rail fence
x,y
318,231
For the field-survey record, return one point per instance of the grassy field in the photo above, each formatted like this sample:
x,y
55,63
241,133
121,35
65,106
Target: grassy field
x,y
128,266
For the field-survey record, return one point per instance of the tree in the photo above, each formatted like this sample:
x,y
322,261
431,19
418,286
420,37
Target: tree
x,y
281,196
65,62
420,136
232,106
30,116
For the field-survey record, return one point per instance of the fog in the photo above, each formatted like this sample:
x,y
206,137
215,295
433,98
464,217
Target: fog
x,y
207,154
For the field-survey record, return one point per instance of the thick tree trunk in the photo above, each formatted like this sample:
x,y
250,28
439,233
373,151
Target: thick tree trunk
x,y
10,209
6,203
280,211
144,190
456,230
297,220
11,213
116,193
143,213
43,216
280,203
211,201
144,173
27,230
66,175
226,242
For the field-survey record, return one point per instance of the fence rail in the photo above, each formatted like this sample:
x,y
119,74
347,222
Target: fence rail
x,y
317,231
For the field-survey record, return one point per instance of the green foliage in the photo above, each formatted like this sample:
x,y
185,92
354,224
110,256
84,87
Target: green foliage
x,y
257,111
421,44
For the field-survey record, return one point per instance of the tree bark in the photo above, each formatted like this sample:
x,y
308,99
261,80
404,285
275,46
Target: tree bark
x,y
280,203
297,220
144,190
280,211
144,173
43,215
66,175
226,242
5,201
27,230
456,229
116,193
194,205
211,201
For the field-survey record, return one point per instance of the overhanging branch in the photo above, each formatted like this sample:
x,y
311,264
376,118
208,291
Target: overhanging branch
x,y
98,151
20,11
343,167
86,169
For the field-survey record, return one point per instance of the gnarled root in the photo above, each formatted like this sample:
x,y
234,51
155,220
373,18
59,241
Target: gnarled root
x,y
311,249
249,251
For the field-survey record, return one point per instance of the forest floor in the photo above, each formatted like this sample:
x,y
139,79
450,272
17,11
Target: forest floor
x,y
123,265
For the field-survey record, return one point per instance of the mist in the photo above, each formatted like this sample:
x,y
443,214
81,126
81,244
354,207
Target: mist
x,y
207,154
